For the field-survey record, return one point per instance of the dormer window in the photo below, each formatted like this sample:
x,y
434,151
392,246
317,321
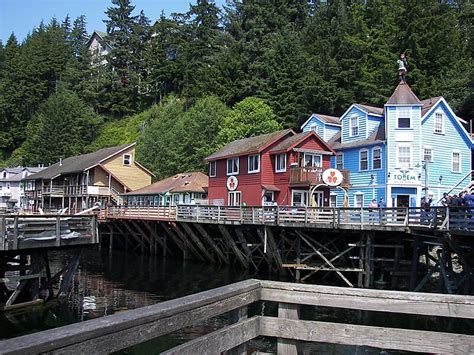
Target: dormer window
x,y
354,126
4,175
439,123
127,159
403,117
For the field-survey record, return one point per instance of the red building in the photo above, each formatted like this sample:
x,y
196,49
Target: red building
x,y
280,167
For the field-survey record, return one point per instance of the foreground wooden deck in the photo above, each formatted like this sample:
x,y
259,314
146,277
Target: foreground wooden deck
x,y
123,330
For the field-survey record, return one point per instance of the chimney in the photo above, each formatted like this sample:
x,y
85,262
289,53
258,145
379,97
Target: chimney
x,y
60,161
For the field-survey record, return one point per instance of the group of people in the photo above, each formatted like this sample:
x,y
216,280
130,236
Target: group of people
x,y
462,200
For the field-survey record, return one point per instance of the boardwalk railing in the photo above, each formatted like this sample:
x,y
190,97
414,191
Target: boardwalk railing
x,y
125,329
441,218
43,231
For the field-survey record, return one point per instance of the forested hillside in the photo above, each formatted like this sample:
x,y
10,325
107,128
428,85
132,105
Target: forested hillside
x,y
181,86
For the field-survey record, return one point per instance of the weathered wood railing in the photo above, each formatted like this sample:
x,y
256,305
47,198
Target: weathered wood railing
x,y
125,329
40,231
441,218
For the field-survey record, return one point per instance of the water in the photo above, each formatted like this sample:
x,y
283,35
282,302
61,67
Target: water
x,y
110,282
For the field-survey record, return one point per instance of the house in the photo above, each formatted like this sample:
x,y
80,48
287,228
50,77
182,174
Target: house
x,y
81,181
183,188
281,168
402,151
11,188
99,47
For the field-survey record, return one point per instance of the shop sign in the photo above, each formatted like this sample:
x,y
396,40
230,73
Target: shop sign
x,y
232,183
403,177
332,177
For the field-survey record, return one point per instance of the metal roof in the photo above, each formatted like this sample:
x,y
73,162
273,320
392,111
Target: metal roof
x,y
183,182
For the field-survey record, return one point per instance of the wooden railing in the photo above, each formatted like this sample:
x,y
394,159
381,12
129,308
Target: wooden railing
x,y
312,176
45,231
125,329
460,219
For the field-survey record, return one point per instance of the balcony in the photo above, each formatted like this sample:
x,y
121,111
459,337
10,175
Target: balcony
x,y
312,176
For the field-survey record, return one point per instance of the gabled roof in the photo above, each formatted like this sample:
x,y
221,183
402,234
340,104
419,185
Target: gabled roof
x,y
403,96
376,137
428,104
249,145
293,141
373,110
79,163
332,120
16,174
183,182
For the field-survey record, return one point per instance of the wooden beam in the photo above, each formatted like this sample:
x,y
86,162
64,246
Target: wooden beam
x,y
162,243
245,247
230,241
186,241
287,346
178,242
197,242
212,244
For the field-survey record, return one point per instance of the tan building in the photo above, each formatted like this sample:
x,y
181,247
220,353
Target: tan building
x,y
81,181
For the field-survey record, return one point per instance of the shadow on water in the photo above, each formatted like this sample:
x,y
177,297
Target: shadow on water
x,y
111,282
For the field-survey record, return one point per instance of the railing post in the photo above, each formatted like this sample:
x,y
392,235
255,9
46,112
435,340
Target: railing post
x,y
218,214
15,233
286,346
3,232
447,218
58,231
253,215
333,217
277,217
407,213
197,213
235,316
361,216
305,214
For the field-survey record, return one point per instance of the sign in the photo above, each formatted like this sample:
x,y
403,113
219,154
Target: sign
x,y
232,183
403,177
332,177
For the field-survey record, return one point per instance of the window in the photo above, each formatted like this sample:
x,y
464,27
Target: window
x,y
4,174
339,161
332,200
314,127
403,114
8,186
280,163
299,198
212,168
232,166
312,160
254,164
428,154
439,123
354,126
376,158
127,159
404,156
235,198
456,162
363,160
359,200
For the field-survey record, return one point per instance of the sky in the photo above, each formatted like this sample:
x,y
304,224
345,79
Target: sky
x,y
22,16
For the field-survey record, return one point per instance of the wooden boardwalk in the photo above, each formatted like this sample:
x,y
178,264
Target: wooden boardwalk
x,y
287,330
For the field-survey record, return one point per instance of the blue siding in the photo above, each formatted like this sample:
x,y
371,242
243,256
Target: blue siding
x,y
373,122
354,112
330,131
325,131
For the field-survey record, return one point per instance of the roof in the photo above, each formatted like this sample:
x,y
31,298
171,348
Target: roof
x,y
292,141
377,136
403,96
248,145
79,163
183,182
16,174
371,109
326,118
428,104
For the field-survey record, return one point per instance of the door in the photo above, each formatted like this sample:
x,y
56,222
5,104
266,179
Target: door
x,y
268,198
318,199
403,201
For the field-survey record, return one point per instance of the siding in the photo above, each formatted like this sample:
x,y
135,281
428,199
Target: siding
x,y
373,122
354,112
325,131
330,131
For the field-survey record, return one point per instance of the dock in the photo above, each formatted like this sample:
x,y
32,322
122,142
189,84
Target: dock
x,y
286,330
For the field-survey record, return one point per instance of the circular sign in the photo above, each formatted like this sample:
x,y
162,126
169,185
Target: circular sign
x,y
232,183
332,177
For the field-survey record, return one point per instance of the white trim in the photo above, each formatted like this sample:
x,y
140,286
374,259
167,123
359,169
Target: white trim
x,y
315,115
423,153
360,153
130,159
312,158
351,126
398,116
248,164
276,164
335,161
361,109
436,113
303,192
381,159
234,193
357,194
227,166
215,168
397,162
456,151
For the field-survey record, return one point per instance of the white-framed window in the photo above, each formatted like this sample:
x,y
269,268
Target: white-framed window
x,y
456,161
313,127
358,199
340,161
439,123
235,198
332,200
377,158
232,166
212,168
363,159
253,163
127,159
354,126
299,198
313,160
403,117
428,154
280,163
403,155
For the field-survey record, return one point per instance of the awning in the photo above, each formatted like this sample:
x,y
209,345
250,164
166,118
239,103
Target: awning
x,y
270,188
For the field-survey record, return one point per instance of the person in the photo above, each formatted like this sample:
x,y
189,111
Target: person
x,y
372,206
402,67
382,203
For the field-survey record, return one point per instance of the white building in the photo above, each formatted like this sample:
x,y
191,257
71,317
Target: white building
x,y
12,188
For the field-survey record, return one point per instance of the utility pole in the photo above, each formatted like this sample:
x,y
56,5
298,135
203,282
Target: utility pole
x,y
426,178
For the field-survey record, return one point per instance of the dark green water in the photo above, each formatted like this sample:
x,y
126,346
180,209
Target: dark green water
x,y
107,283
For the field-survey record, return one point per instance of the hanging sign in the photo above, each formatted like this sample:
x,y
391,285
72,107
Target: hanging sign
x,y
232,183
332,177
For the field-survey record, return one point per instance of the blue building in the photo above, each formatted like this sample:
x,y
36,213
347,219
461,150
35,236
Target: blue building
x,y
398,152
